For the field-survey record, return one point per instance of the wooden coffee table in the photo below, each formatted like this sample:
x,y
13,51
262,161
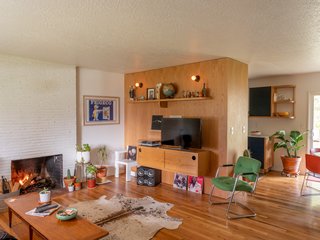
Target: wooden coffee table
x,y
50,227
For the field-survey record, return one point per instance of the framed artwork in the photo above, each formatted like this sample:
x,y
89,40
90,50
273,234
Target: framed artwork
x,y
180,181
132,153
150,93
100,110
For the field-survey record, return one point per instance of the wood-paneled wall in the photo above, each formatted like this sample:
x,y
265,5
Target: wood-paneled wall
x,y
227,83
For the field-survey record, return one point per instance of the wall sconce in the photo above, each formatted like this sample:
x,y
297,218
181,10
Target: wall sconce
x,y
195,78
138,85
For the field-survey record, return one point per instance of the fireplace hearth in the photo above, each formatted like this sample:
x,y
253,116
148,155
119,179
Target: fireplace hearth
x,y
33,174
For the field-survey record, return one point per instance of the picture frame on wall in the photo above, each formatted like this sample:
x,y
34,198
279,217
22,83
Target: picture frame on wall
x,y
150,93
99,110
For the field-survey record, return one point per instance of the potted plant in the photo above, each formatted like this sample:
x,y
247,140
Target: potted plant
x,y
83,153
102,170
70,187
44,195
77,184
68,179
91,176
291,161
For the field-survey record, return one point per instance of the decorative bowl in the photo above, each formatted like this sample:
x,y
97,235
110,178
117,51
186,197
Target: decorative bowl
x,y
283,114
67,214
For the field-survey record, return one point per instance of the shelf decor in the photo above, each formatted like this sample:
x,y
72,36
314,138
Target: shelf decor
x,y
100,110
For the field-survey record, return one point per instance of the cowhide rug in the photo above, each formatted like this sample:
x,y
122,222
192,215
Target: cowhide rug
x,y
140,225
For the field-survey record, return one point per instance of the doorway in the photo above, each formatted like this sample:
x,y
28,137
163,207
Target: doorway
x,y
314,120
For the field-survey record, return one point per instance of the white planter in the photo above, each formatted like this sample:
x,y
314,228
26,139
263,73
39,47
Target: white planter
x,y
83,157
45,197
71,188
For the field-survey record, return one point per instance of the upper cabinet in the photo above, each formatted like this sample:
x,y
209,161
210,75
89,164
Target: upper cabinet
x,y
272,101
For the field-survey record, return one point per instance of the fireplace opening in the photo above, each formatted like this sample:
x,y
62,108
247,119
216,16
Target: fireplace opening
x,y
33,174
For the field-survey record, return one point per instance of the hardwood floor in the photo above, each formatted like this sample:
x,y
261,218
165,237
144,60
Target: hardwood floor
x,y
281,212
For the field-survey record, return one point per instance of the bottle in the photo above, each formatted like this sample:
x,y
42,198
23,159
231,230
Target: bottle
x,y
5,186
204,90
132,93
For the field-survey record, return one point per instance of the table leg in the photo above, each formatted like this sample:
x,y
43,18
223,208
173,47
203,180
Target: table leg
x,y
10,217
30,232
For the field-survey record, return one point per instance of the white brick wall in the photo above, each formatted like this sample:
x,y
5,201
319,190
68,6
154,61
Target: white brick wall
x,y
37,111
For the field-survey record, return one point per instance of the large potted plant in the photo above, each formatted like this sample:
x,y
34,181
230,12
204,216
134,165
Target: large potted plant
x,y
292,143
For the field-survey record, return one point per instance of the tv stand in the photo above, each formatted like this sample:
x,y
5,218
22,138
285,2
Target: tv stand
x,y
194,162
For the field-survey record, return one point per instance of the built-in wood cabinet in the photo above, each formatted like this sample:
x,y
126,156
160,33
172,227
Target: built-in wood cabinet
x,y
195,162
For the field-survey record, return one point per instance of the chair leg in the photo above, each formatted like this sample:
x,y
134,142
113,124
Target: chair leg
x,y
304,179
210,198
128,172
116,172
253,214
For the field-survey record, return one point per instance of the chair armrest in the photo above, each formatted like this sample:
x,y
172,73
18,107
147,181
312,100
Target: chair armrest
x,y
228,165
224,165
249,173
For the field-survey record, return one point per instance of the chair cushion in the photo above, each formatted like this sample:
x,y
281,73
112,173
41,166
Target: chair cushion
x,y
227,183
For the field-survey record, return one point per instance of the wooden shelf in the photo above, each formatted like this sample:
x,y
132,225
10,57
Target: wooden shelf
x,y
163,102
284,101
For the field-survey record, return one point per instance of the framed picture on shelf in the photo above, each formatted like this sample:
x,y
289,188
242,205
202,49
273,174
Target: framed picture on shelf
x,y
100,110
150,93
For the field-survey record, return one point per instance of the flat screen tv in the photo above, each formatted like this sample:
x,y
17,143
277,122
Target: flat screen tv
x,y
182,133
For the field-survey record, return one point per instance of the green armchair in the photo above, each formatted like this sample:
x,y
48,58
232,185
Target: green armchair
x,y
245,167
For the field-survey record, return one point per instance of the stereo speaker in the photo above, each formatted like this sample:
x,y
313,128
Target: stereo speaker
x,y
148,176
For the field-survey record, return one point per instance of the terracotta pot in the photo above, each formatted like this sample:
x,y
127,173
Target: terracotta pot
x,y
291,165
67,181
101,172
91,183
77,186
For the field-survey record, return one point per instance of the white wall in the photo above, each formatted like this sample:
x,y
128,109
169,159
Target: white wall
x,y
99,83
305,83
37,111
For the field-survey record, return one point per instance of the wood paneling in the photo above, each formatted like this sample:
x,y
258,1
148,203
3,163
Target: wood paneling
x,y
227,83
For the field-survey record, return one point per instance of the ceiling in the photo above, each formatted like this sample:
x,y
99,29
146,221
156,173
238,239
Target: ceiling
x,y
272,36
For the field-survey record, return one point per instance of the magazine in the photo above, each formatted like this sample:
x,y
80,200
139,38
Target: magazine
x,y
195,184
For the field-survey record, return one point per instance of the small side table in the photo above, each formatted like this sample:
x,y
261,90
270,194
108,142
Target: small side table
x,y
121,160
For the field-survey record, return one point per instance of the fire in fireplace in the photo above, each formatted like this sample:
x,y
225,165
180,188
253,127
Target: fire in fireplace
x,y
32,174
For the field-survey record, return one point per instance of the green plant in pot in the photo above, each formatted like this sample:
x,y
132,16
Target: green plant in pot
x,y
102,170
83,153
68,179
44,196
292,144
91,175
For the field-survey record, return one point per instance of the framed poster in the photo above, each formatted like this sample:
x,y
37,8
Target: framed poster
x,y
100,110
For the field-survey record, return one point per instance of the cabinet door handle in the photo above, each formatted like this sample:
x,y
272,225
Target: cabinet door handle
x,y
139,149
194,158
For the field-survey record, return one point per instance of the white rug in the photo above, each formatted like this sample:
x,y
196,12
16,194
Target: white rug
x,y
140,225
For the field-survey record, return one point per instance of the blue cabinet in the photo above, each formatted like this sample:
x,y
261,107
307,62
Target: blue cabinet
x,y
261,149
